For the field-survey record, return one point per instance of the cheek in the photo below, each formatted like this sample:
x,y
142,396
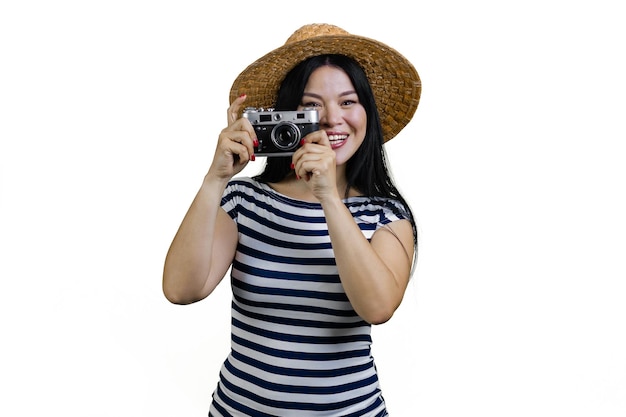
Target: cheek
x,y
358,120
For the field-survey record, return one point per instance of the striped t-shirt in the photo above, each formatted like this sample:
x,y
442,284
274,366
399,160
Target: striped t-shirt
x,y
297,346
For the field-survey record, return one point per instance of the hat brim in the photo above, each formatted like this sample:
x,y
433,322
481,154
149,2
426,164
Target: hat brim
x,y
395,82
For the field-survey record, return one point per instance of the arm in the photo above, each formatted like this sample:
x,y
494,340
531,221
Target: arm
x,y
374,274
205,244
202,249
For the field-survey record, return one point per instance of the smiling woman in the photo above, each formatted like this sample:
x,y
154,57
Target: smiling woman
x,y
514,162
320,245
330,91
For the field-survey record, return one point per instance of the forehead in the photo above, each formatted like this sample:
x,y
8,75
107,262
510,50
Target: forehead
x,y
329,79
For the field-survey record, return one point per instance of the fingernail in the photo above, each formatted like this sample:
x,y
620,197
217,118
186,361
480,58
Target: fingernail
x,y
255,142
253,157
292,166
302,142
243,95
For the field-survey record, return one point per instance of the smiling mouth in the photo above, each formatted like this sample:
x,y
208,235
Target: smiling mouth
x,y
337,140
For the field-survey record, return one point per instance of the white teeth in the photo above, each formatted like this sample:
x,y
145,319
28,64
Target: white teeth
x,y
337,137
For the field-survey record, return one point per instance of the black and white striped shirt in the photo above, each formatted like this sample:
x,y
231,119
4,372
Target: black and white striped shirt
x,y
298,347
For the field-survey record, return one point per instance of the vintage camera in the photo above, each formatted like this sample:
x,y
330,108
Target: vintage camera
x,y
280,132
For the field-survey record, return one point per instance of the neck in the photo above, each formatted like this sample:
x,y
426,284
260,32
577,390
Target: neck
x,y
298,189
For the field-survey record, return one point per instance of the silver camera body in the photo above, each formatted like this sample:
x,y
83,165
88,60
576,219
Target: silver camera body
x,y
279,132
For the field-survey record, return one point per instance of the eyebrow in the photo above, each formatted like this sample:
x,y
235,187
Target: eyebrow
x,y
345,93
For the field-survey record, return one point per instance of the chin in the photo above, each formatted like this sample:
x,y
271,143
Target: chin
x,y
343,155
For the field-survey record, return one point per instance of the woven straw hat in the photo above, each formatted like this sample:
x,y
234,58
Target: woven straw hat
x,y
394,80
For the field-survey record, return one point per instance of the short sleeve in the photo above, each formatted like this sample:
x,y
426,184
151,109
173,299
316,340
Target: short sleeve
x,y
232,197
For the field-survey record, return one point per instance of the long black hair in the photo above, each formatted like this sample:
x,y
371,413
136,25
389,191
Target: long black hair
x,y
367,170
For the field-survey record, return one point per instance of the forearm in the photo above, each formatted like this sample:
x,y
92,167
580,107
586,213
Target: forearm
x,y
373,288
188,262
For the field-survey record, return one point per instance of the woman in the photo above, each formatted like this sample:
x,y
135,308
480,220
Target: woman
x,y
321,243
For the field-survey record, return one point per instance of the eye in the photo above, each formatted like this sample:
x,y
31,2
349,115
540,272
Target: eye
x,y
310,104
348,102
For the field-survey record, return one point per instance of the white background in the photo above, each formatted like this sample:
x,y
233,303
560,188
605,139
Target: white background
x,y
514,165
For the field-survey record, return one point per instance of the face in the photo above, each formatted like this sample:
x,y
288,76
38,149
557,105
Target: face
x,y
330,91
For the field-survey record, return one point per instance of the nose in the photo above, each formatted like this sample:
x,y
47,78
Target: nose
x,y
330,116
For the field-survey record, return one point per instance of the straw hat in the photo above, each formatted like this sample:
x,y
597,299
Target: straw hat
x,y
394,80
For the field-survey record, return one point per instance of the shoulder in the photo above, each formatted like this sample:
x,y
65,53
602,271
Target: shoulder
x,y
242,183
243,187
241,191
379,209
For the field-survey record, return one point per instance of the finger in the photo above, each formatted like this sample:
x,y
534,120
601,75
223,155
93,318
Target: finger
x,y
306,164
233,110
318,137
238,152
243,132
241,139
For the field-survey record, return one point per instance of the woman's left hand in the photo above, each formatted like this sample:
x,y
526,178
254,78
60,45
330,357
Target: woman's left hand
x,y
315,163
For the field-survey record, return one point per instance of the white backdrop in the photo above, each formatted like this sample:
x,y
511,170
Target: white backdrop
x,y
514,165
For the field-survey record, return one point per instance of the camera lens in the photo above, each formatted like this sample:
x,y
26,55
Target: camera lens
x,y
285,136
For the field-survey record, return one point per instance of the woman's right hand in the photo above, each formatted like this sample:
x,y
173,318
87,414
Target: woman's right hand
x,y
235,145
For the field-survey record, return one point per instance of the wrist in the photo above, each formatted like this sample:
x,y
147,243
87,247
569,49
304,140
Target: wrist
x,y
215,183
331,202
